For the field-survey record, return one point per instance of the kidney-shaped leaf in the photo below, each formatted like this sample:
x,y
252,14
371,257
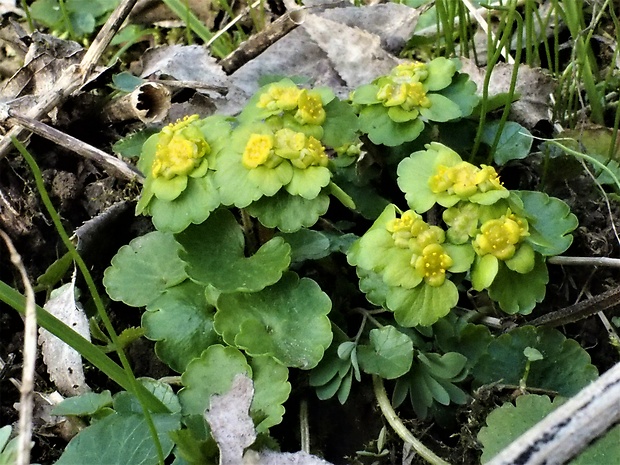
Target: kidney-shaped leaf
x,y
287,321
144,269
388,355
214,251
177,344
550,220
565,366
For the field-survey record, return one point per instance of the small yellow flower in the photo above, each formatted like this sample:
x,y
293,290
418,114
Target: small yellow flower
x,y
406,228
313,154
416,97
432,264
392,95
488,179
289,143
279,97
414,71
499,237
181,148
310,108
257,150
464,180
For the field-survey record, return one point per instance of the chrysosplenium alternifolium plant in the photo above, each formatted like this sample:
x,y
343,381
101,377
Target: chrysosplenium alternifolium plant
x,y
280,161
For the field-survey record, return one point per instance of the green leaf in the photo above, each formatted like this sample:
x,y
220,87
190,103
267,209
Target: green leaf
x,y
375,121
430,380
519,293
388,355
214,251
131,146
565,366
415,171
126,403
130,436
508,422
307,244
289,213
550,222
48,12
462,91
193,205
177,344
271,390
366,95
142,270
340,126
88,403
442,109
213,373
446,366
373,286
423,305
440,72
287,321
127,82
514,143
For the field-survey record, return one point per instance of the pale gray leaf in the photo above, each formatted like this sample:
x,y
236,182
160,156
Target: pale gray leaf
x,y
64,364
230,421
533,84
191,63
270,457
355,54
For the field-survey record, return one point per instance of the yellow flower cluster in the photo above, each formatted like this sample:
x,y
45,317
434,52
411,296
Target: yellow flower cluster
x,y
429,258
403,87
500,237
181,148
464,180
270,150
287,98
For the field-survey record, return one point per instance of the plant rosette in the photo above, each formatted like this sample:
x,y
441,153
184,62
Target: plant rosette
x,y
315,112
439,175
394,108
178,163
277,171
414,261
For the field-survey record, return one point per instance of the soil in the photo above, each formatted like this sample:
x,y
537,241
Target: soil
x,y
81,190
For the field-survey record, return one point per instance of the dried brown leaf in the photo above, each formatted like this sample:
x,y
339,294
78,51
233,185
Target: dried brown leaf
x,y
533,84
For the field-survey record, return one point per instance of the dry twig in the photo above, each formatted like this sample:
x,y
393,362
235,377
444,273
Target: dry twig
x,y
26,401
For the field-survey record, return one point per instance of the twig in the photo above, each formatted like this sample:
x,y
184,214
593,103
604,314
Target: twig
x,y
580,310
584,261
256,44
72,77
109,162
26,401
568,430
397,425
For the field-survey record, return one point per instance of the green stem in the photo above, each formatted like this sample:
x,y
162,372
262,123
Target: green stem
x,y
590,159
93,292
184,13
87,349
392,418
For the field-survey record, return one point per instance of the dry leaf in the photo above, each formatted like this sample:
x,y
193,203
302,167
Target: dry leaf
x,y
231,424
356,55
233,430
64,364
533,85
44,63
191,63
